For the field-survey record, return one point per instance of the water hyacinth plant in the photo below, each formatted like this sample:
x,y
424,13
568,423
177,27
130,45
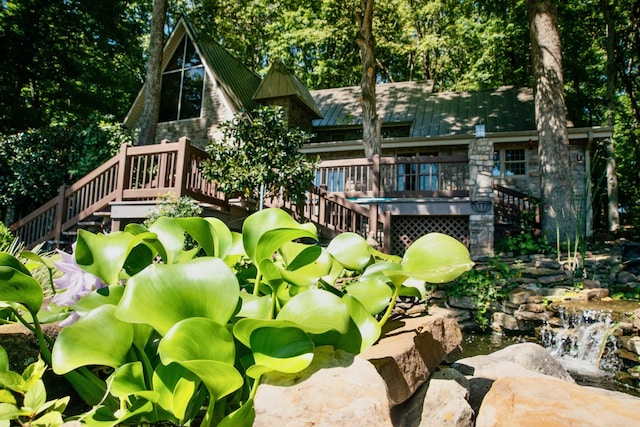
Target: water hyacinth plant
x,y
188,333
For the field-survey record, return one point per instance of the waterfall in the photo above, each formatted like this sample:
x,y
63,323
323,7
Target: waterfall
x,y
583,341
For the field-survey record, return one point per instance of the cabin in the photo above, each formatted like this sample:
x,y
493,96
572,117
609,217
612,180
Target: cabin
x,y
460,163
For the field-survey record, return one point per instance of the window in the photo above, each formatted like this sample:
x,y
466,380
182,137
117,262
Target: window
x,y
509,162
182,84
417,177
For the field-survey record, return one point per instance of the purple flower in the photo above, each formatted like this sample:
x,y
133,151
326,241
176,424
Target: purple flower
x,y
75,283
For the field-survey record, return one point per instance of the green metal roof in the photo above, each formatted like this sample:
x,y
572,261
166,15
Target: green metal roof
x,y
281,82
506,109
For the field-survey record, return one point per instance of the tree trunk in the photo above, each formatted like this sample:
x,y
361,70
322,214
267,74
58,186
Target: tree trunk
x,y
613,215
151,109
558,198
371,123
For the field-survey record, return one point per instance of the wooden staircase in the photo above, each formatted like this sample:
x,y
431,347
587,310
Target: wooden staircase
x,y
142,174
515,212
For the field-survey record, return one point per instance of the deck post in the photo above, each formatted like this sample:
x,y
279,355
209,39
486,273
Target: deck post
x,y
182,161
375,171
123,169
386,235
60,214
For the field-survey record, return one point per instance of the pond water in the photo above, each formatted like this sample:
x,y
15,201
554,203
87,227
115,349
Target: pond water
x,y
584,372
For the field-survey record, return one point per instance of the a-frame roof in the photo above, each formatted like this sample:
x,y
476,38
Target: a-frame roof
x,y
506,109
236,81
281,82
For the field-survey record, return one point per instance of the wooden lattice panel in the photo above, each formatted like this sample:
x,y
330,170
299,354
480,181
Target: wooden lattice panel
x,y
407,229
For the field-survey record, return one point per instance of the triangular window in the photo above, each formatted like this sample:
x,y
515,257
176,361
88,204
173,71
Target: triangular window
x,y
182,84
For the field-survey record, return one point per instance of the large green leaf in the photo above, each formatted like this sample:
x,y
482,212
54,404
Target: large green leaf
x,y
107,295
264,232
163,295
305,264
126,380
207,349
436,258
368,328
316,311
4,360
197,338
241,417
276,344
374,294
17,285
211,234
171,236
176,386
256,307
351,250
104,256
97,339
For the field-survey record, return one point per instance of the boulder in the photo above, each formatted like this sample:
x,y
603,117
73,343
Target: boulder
x,y
518,360
550,402
523,360
337,389
411,351
441,402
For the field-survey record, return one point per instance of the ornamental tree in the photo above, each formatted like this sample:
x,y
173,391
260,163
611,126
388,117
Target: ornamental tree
x,y
260,150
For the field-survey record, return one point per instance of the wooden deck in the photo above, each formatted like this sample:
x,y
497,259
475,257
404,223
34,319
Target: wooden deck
x,y
335,203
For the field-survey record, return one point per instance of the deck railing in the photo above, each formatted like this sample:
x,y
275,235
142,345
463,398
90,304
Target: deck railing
x,y
425,176
144,173
333,214
516,209
136,173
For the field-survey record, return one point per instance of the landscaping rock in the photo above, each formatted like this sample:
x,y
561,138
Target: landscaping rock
x,y
530,359
442,402
407,355
549,402
338,389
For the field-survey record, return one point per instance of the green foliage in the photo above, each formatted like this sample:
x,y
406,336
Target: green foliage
x,y
6,237
260,149
187,329
173,206
61,153
524,243
65,61
484,285
23,398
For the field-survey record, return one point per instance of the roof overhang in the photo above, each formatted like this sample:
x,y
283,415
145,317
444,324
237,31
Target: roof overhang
x,y
586,134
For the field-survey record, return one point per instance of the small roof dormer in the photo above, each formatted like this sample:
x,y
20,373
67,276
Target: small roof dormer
x,y
281,87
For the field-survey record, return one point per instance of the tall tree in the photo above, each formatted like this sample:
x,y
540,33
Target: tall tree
x,y
559,208
151,109
371,122
613,215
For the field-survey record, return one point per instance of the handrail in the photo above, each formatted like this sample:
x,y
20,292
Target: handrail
x,y
135,173
334,214
518,209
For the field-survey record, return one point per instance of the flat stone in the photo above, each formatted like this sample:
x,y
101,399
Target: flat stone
x,y
550,402
595,294
520,295
556,278
449,313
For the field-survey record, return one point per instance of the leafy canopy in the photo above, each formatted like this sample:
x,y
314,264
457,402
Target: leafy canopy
x,y
260,149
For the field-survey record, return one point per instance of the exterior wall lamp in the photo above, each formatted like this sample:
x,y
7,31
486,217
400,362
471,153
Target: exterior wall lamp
x,y
480,130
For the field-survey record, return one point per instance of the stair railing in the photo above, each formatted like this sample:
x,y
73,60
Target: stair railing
x,y
517,209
